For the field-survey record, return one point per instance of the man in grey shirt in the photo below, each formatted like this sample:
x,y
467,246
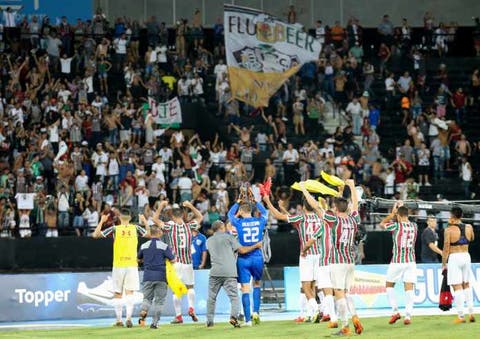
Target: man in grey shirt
x,y
223,247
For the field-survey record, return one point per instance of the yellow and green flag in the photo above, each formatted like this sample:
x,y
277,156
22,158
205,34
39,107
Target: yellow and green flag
x,y
263,52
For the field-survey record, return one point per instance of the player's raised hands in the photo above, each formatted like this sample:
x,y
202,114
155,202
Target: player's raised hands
x,y
250,195
104,218
187,204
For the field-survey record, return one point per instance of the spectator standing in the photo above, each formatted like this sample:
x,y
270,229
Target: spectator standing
x,y
459,101
466,174
423,156
290,160
385,29
354,109
120,44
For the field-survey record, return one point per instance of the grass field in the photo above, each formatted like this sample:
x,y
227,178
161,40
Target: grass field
x,y
433,327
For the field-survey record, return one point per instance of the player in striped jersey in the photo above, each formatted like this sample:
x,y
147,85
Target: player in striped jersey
x,y
180,237
306,224
344,226
402,266
125,266
322,237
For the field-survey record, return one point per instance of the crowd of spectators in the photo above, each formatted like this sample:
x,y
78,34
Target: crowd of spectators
x,y
77,135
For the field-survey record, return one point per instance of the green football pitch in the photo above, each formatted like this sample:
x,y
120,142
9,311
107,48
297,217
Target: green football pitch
x,y
432,327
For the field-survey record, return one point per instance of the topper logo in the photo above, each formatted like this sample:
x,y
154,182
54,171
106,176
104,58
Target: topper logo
x,y
41,297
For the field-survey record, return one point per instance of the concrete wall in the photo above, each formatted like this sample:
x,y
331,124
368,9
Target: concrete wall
x,y
368,11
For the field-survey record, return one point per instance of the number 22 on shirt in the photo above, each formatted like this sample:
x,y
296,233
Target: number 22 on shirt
x,y
250,234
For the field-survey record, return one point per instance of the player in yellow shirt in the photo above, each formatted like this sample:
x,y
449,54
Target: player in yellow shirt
x,y
125,267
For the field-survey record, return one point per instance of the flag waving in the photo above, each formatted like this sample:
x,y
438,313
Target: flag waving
x,y
263,52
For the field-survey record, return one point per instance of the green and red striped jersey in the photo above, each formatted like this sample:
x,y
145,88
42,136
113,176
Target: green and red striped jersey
x,y
306,225
180,238
323,235
404,235
343,236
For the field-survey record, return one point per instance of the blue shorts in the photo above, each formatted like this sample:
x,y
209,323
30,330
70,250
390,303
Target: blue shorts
x,y
251,266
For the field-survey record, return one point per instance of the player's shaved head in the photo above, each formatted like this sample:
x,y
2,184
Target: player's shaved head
x,y
341,204
245,208
177,212
402,211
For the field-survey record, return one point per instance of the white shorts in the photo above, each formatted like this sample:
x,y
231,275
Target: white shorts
x,y
458,268
342,276
323,277
308,267
125,278
405,272
185,273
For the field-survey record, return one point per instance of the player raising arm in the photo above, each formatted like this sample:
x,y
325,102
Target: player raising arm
x,y
306,223
344,226
402,266
323,237
180,238
125,266
250,231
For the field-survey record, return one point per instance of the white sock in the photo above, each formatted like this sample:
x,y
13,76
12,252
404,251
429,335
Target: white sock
x,y
118,306
342,311
469,299
330,308
321,298
129,303
392,300
350,305
303,304
177,305
459,298
312,307
409,295
191,297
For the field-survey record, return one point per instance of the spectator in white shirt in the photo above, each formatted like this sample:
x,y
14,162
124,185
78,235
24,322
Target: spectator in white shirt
x,y
404,83
10,17
120,51
183,89
81,182
290,161
185,187
197,87
354,109
63,208
159,169
90,215
66,66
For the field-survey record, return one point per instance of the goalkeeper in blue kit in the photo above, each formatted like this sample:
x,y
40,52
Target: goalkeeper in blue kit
x,y
250,231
